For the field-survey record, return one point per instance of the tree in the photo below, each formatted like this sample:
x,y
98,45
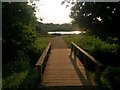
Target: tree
x,y
18,22
99,17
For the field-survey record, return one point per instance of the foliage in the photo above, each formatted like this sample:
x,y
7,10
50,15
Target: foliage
x,y
30,80
101,50
111,78
108,54
55,27
18,26
14,80
21,45
35,52
21,72
21,64
101,18
25,79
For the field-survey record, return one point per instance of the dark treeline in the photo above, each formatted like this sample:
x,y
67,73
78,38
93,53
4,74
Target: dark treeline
x,y
102,19
45,27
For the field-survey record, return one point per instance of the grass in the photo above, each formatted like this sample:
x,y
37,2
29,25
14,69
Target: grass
x,y
106,53
95,46
110,78
21,73
41,43
14,80
24,79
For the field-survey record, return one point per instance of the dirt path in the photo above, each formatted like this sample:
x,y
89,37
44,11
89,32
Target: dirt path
x,y
58,43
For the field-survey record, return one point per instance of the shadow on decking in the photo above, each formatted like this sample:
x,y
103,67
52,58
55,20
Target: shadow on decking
x,y
85,79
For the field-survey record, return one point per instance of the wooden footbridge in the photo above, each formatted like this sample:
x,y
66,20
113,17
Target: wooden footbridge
x,y
62,68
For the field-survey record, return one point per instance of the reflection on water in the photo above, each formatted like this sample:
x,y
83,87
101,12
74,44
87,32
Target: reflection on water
x,y
66,32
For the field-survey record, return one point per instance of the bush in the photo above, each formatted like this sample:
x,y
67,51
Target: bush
x,y
21,73
101,50
111,78
14,80
30,81
107,53
21,64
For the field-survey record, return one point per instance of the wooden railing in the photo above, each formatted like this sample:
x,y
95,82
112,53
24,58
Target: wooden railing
x,y
41,63
85,58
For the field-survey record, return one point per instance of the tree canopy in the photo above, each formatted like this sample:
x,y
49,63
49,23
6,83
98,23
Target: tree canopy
x,y
18,25
102,18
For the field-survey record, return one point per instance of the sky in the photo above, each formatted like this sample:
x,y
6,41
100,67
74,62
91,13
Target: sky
x,y
51,11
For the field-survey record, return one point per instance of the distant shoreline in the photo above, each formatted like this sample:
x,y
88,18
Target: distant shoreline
x,y
66,32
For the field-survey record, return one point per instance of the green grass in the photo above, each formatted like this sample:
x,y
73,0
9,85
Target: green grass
x,y
106,53
110,78
40,43
25,79
90,43
96,47
21,73
14,80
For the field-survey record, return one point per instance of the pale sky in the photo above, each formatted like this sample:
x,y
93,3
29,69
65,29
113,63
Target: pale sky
x,y
51,11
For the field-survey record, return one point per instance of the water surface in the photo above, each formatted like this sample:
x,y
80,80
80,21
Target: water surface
x,y
66,32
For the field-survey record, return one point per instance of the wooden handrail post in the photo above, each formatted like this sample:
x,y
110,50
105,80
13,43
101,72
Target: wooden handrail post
x,y
71,49
75,53
39,70
98,72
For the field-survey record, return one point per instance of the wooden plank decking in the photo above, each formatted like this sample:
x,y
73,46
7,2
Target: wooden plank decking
x,y
63,70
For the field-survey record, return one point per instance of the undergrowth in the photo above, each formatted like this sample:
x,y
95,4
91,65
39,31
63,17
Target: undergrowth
x,y
107,53
21,72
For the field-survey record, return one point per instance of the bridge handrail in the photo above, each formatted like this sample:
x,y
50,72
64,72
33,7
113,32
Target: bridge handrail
x,y
41,63
98,65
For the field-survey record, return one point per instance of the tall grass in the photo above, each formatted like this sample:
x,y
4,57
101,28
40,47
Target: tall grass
x,y
101,50
21,73
107,53
110,79
14,80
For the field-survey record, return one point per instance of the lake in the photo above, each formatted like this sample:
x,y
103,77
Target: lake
x,y
66,32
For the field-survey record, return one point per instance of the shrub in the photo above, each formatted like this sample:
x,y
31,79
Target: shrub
x,y
14,80
101,50
21,73
111,78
